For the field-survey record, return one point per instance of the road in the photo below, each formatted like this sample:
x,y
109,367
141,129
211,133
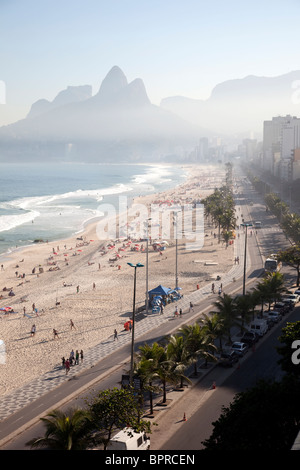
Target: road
x,y
259,364
269,239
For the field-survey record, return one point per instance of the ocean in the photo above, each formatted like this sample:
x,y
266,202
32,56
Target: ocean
x,y
52,201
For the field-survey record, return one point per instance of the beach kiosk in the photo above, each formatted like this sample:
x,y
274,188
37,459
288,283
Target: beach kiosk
x,y
157,296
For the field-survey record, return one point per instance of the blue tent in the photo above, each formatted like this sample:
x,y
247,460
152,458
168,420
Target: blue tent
x,y
160,290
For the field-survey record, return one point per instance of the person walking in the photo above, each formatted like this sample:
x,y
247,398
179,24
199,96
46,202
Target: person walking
x,y
77,357
55,333
33,330
67,365
81,356
115,335
72,324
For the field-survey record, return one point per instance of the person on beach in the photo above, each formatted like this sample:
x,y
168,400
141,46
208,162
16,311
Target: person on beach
x,y
77,357
67,366
115,335
81,356
33,330
77,288
55,333
213,288
63,362
72,324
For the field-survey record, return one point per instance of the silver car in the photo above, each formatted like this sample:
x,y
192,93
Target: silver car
x,y
239,348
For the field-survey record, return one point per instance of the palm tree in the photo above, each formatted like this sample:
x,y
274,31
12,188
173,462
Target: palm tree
x,y
178,357
262,293
226,309
166,372
148,365
65,431
244,305
198,344
145,371
213,327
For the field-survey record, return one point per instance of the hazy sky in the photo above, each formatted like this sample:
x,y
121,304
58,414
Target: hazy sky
x,y
178,47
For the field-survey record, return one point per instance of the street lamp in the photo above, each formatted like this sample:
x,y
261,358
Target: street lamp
x,y
147,264
245,255
135,266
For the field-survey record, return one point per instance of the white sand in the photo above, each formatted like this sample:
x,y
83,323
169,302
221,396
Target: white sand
x,y
95,311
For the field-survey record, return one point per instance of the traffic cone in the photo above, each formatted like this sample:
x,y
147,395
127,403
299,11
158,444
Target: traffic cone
x,y
184,418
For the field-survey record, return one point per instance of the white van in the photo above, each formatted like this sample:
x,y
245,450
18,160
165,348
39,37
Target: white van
x,y
127,439
258,326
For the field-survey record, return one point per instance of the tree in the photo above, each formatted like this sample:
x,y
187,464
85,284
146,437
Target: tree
x,y
213,327
178,356
244,305
276,285
65,431
227,311
146,367
264,417
290,334
114,409
291,257
198,344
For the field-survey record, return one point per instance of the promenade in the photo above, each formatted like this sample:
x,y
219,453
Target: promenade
x,y
52,379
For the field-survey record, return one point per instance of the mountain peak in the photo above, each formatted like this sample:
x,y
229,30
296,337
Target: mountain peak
x,y
114,81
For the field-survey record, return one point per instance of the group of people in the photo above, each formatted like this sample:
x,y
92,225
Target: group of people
x,y
73,359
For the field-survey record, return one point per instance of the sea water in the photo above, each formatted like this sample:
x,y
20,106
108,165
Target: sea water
x,y
54,201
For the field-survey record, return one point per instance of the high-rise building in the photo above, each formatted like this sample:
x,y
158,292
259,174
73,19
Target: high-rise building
x,y
280,141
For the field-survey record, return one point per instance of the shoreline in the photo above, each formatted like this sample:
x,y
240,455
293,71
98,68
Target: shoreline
x,y
83,225
91,283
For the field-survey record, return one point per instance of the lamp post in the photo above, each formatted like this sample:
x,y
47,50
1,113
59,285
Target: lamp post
x,y
147,265
245,256
135,266
176,248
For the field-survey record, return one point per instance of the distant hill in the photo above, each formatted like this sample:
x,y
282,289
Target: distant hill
x,y
70,95
241,105
117,121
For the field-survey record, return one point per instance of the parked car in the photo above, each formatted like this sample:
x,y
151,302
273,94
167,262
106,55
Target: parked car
x,y
239,348
289,303
293,297
227,359
274,316
249,338
281,307
297,292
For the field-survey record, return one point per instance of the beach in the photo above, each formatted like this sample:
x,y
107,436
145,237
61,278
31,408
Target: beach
x,y
87,280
